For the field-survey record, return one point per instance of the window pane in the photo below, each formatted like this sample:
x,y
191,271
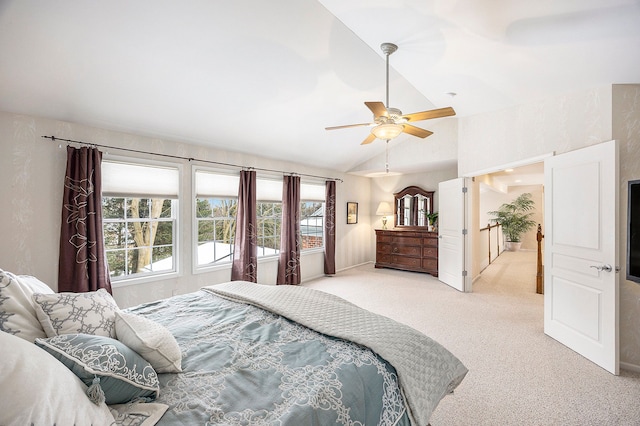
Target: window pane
x,y
112,208
164,234
166,209
138,208
114,235
162,259
203,208
116,260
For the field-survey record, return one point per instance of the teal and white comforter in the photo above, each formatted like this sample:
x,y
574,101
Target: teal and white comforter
x,y
244,365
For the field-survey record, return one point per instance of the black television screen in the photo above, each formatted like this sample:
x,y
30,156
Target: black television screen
x,y
633,231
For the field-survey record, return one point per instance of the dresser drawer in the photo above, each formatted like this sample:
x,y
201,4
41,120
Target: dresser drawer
x,y
430,252
409,241
407,261
430,264
430,242
406,250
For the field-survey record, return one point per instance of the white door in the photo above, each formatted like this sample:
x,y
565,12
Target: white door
x,y
452,209
581,252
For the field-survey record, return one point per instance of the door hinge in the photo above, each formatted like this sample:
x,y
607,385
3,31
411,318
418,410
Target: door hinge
x,y
464,273
464,189
464,231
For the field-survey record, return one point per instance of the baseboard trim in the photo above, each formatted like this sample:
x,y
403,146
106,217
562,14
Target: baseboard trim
x,y
630,367
314,277
353,266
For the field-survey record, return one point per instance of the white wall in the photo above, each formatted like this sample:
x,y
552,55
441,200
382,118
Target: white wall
x,y
32,174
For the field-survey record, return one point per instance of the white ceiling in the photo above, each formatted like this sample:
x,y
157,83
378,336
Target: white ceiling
x,y
266,77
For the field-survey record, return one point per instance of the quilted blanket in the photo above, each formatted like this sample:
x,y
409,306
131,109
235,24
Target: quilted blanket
x,y
426,370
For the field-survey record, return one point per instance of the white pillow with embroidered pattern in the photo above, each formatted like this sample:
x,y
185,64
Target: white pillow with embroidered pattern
x,y
153,341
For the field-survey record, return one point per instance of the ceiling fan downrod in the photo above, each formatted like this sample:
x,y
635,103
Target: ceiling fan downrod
x,y
388,49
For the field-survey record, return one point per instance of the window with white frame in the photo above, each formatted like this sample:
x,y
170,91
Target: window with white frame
x,y
139,212
215,217
312,205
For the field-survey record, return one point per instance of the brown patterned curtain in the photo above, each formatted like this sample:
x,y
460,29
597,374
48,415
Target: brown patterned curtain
x,y
289,263
82,265
245,250
330,228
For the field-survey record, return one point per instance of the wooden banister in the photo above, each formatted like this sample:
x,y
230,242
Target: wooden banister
x,y
540,274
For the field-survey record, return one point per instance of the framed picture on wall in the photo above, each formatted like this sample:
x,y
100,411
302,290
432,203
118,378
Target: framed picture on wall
x,y
352,212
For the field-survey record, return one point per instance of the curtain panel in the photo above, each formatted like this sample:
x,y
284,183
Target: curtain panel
x,y
82,264
245,249
330,228
289,262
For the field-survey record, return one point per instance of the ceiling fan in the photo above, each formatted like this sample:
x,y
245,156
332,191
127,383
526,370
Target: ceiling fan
x,y
388,122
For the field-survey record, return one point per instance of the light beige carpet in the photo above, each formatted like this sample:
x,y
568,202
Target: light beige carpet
x,y
517,374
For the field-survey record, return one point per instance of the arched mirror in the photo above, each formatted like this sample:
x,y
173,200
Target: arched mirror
x,y
411,207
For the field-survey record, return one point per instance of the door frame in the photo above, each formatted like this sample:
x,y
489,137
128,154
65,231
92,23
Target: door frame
x,y
473,202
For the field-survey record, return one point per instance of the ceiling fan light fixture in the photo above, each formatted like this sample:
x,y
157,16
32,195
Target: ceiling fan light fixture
x,y
387,130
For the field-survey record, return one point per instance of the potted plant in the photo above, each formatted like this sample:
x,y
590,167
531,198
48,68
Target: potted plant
x,y
515,218
432,218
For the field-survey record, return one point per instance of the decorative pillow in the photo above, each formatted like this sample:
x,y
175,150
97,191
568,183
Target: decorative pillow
x,y
153,341
123,374
17,313
34,284
72,313
36,389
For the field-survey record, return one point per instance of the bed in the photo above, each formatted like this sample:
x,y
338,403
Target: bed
x,y
236,353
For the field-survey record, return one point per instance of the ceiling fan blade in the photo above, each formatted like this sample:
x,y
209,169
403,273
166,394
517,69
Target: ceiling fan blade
x,y
369,139
347,126
377,108
433,113
416,131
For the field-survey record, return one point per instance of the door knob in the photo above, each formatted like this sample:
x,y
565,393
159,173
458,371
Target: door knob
x,y
605,267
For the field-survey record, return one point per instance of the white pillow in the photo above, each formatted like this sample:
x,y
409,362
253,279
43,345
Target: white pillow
x,y
37,389
72,313
17,312
153,341
34,284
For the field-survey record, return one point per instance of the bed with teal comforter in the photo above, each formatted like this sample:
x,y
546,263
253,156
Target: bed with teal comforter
x,y
287,355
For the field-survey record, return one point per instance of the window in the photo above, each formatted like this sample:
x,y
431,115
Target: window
x,y
138,235
312,216
216,219
139,211
311,225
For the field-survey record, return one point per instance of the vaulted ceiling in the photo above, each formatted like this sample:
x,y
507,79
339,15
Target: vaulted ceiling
x,y
267,77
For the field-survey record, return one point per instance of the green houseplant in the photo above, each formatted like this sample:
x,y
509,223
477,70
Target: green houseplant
x,y
515,218
432,218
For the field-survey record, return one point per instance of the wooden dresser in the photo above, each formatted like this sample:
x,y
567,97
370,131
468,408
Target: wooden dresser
x,y
409,250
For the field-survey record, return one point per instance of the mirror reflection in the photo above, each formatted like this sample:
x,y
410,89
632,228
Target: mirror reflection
x,y
412,205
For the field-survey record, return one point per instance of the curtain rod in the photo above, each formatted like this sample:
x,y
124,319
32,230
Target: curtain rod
x,y
53,138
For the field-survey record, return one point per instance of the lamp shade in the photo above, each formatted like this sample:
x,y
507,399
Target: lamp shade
x,y
384,209
387,130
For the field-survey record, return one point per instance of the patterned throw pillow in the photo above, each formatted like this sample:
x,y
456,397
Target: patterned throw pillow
x,y
153,341
17,312
123,374
71,313
38,390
